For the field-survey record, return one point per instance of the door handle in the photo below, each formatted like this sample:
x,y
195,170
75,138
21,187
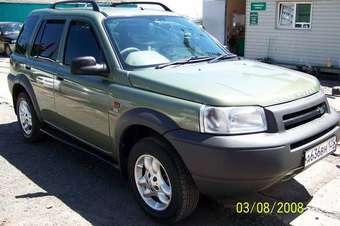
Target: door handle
x,y
28,67
60,78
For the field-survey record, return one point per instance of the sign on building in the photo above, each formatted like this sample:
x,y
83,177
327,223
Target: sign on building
x,y
254,18
258,6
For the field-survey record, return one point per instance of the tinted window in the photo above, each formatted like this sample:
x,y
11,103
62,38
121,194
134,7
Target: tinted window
x,y
26,34
46,44
36,44
81,41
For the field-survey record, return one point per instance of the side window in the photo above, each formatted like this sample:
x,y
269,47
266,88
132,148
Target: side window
x,y
25,34
46,44
81,41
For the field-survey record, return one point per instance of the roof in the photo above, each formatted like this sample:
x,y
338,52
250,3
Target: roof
x,y
53,1
117,11
107,11
183,8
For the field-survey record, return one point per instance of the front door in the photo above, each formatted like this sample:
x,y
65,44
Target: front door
x,y
82,101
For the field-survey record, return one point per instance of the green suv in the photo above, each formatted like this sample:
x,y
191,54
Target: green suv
x,y
176,112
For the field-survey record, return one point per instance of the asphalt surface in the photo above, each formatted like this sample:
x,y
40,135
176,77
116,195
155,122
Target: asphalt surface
x,y
50,183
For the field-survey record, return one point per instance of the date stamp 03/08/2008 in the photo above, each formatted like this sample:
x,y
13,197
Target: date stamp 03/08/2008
x,y
279,207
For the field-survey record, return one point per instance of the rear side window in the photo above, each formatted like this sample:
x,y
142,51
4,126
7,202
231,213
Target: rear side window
x,y
46,44
26,34
81,41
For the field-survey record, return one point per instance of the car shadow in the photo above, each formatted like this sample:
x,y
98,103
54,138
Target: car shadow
x,y
99,194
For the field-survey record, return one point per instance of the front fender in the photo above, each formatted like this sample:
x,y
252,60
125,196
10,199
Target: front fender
x,y
152,119
144,117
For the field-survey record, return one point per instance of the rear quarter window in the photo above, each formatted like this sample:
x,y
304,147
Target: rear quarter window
x,y
26,34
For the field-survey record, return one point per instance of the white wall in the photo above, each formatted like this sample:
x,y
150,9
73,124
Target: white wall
x,y
309,47
214,18
190,8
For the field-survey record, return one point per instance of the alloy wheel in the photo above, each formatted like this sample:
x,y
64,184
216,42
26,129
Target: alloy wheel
x,y
153,182
25,117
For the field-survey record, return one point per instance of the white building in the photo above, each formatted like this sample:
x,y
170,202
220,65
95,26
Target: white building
x,y
300,32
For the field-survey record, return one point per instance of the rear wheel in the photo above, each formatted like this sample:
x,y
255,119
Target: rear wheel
x,y
162,185
27,118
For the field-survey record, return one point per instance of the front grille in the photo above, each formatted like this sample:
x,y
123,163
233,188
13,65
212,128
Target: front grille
x,y
310,139
299,118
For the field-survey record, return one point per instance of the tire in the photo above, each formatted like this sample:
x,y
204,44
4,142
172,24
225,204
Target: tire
x,y
27,118
184,195
8,51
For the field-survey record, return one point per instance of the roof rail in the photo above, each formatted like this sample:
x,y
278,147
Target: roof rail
x,y
115,4
92,2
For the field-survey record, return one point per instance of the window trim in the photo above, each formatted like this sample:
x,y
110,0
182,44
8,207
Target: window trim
x,y
95,36
32,36
293,27
42,25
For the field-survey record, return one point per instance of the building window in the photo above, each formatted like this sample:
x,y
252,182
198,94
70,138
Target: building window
x,y
294,15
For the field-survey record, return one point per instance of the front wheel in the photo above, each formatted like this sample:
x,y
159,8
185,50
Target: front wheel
x,y
162,185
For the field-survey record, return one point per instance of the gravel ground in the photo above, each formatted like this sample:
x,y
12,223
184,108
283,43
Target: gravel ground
x,y
50,183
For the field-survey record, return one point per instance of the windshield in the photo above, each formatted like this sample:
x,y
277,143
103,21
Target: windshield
x,y
11,28
145,41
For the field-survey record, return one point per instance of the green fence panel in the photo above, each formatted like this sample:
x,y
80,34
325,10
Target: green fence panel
x,y
18,11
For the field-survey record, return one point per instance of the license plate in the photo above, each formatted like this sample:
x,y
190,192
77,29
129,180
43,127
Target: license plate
x,y
320,151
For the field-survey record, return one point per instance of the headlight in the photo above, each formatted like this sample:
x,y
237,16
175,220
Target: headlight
x,y
232,120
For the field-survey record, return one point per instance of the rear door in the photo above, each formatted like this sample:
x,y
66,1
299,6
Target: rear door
x,y
43,64
82,101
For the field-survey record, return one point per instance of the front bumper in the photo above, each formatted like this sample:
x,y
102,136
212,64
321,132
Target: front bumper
x,y
233,165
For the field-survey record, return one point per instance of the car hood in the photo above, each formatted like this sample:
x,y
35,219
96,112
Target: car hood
x,y
228,83
11,36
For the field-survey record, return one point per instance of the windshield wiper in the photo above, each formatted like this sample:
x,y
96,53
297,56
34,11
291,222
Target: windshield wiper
x,y
192,59
222,57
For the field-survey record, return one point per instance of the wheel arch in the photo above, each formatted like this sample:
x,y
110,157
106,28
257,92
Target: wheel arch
x,y
137,124
21,83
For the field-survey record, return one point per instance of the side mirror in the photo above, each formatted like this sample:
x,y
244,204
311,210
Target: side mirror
x,y
87,65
